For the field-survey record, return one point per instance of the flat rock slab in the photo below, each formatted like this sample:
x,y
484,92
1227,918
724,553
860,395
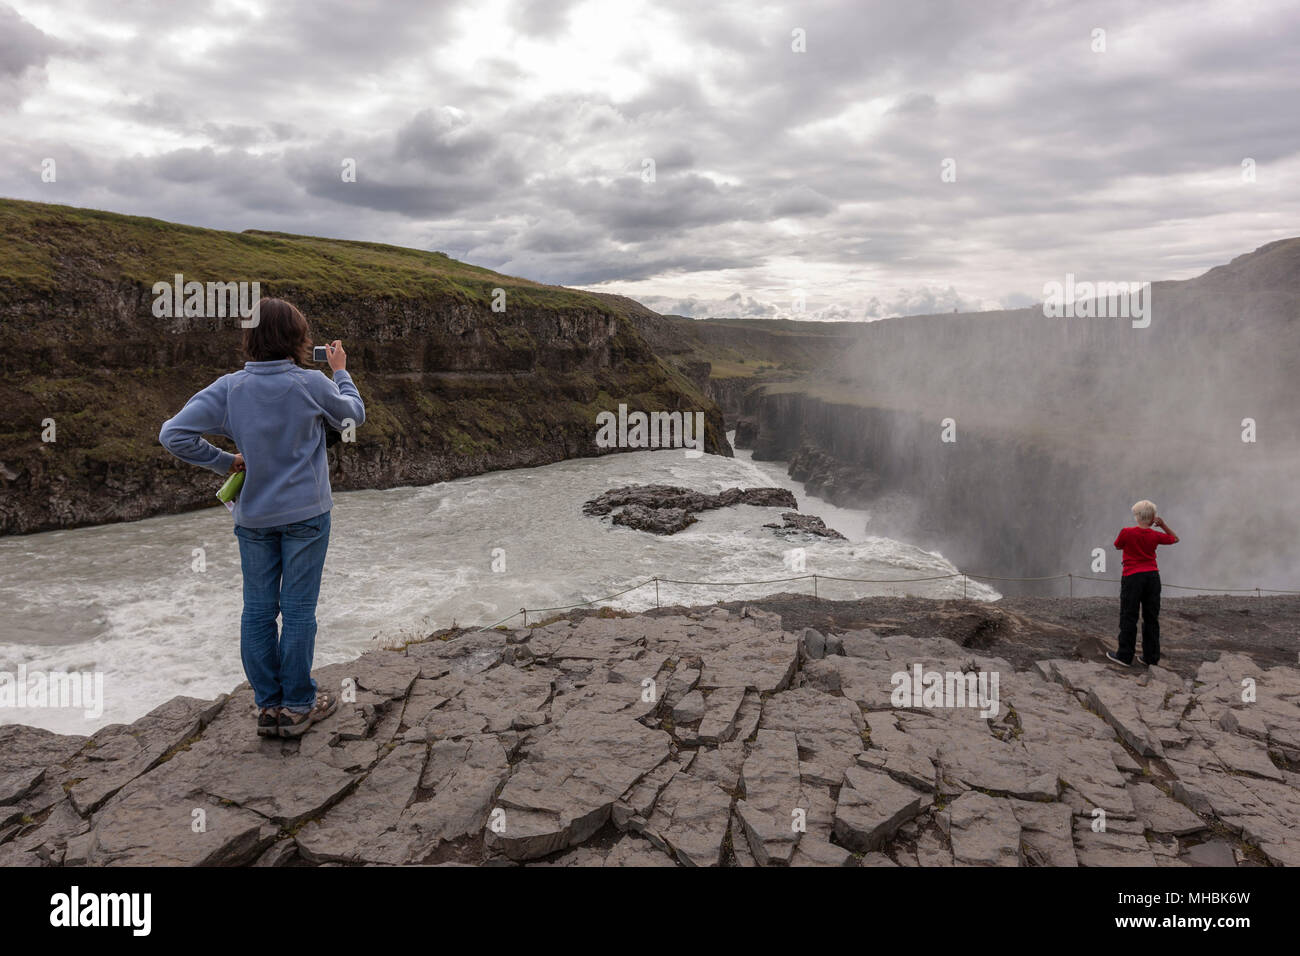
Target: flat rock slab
x,y
828,730
1120,844
690,709
352,831
871,807
286,789
415,799
722,709
1210,853
25,755
1046,833
765,663
721,765
690,819
981,761
385,673
815,852
119,753
168,822
984,831
1162,814
1121,701
773,797
564,790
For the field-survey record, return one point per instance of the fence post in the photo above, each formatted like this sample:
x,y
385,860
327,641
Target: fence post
x,y
656,591
814,585
1257,594
1071,577
524,612
963,585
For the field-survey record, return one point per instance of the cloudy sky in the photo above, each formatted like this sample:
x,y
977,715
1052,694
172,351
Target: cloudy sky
x,y
515,134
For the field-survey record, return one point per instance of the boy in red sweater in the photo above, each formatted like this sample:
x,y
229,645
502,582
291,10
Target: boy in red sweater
x,y
1140,585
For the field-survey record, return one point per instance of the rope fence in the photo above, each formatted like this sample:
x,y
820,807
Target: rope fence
x,y
964,575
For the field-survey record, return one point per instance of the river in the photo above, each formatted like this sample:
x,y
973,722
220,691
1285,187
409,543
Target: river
x,y
154,605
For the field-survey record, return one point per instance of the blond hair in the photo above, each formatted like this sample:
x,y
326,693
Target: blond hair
x,y
1145,511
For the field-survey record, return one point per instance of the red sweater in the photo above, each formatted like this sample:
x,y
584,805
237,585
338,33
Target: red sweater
x,y
1139,546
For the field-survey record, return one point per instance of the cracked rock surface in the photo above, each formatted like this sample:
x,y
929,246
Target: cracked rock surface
x,y
700,737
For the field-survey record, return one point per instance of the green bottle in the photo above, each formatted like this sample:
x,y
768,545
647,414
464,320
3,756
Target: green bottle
x,y
228,492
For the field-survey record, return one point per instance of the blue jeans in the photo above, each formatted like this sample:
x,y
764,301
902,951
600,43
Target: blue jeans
x,y
282,569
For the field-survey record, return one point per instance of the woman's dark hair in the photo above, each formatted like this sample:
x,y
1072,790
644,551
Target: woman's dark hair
x,y
280,332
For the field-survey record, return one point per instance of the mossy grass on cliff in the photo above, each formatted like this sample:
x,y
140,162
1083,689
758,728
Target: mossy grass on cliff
x,y
43,241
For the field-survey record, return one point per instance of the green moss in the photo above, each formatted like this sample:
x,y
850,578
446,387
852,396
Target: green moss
x,y
184,745
40,238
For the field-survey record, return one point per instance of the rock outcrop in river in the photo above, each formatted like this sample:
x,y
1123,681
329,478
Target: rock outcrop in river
x,y
667,509
693,738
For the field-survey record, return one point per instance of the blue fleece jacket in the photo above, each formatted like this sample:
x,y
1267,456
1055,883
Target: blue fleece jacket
x,y
276,413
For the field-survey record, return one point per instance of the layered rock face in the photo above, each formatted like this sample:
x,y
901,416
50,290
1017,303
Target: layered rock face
x,y
981,500
452,387
697,738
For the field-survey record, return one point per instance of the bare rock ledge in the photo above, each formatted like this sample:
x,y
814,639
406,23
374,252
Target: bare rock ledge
x,y
693,738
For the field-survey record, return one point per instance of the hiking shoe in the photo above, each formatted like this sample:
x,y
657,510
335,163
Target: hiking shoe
x,y
1109,656
1144,663
268,722
294,723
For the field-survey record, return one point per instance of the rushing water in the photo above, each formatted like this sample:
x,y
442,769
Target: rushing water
x,y
127,601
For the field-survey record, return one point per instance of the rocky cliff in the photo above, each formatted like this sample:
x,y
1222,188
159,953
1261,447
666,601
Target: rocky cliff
x,y
729,357
452,387
697,737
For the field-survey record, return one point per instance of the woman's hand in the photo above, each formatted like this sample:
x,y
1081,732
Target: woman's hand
x,y
338,357
237,464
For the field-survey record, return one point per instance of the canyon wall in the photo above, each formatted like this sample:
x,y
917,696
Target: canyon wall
x,y
452,388
1055,426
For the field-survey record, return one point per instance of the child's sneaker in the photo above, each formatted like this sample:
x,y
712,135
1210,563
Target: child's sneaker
x,y
268,722
294,723
1115,660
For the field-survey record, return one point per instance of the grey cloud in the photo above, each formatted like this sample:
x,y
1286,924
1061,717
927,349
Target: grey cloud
x,y
24,54
543,18
1067,160
591,267
800,201
915,103
22,46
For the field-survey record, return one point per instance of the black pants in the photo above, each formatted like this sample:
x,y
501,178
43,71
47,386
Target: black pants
x,y
1139,591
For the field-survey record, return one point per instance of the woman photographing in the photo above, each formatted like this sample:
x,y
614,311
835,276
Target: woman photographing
x,y
276,411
